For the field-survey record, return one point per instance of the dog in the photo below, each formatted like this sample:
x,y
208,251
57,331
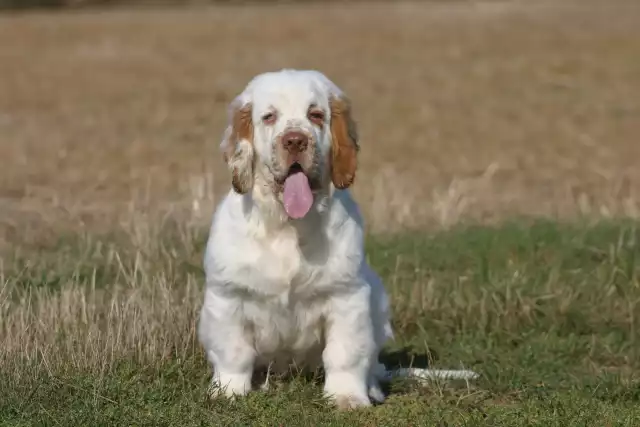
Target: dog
x,y
286,275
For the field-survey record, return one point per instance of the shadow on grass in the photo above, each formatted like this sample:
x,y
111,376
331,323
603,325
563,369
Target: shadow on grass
x,y
392,359
406,357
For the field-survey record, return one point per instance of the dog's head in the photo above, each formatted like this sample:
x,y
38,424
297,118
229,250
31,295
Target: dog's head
x,y
291,131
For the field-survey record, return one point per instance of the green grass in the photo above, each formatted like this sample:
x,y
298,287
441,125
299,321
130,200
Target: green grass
x,y
547,313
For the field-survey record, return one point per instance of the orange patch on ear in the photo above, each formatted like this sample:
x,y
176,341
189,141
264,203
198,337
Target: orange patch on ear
x,y
242,169
344,144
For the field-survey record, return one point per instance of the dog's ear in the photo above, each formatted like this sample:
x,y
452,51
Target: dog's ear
x,y
344,143
237,146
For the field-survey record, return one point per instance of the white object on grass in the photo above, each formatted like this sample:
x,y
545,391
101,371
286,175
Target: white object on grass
x,y
431,374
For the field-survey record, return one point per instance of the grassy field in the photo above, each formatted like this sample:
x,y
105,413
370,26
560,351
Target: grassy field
x,y
547,313
498,179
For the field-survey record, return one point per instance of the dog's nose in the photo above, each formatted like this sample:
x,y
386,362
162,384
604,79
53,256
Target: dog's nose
x,y
295,141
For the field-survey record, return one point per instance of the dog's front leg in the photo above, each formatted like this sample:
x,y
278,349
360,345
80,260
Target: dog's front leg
x,y
228,349
349,350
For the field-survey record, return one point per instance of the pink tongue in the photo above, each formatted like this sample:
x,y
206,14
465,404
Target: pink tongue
x,y
297,195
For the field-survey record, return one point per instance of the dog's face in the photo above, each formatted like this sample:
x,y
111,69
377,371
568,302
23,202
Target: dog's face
x,y
294,129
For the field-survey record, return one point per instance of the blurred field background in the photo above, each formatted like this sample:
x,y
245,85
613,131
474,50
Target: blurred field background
x,y
469,112
479,111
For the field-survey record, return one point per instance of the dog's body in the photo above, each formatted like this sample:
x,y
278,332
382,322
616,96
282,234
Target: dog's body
x,y
282,289
302,293
286,274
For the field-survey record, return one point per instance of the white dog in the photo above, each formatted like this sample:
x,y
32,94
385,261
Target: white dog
x,y
285,269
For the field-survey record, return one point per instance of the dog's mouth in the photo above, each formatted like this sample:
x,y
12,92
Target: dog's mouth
x,y
297,196
295,168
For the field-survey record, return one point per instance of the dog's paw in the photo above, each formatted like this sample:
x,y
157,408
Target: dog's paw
x,y
349,402
347,390
232,388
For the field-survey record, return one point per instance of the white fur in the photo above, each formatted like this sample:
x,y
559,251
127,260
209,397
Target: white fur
x,y
281,289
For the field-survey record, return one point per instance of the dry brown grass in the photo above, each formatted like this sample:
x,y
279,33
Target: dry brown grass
x,y
146,313
471,111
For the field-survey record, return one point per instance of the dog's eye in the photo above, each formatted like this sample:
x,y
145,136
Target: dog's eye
x,y
317,117
269,118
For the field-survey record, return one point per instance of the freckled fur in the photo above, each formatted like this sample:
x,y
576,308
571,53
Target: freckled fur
x,y
344,147
238,148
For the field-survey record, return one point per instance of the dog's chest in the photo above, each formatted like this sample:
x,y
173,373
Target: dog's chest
x,y
287,312
290,269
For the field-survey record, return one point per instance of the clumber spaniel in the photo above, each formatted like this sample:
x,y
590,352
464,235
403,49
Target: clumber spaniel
x,y
286,276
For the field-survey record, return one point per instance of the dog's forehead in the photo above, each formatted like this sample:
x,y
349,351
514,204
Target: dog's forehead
x,y
290,89
286,92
